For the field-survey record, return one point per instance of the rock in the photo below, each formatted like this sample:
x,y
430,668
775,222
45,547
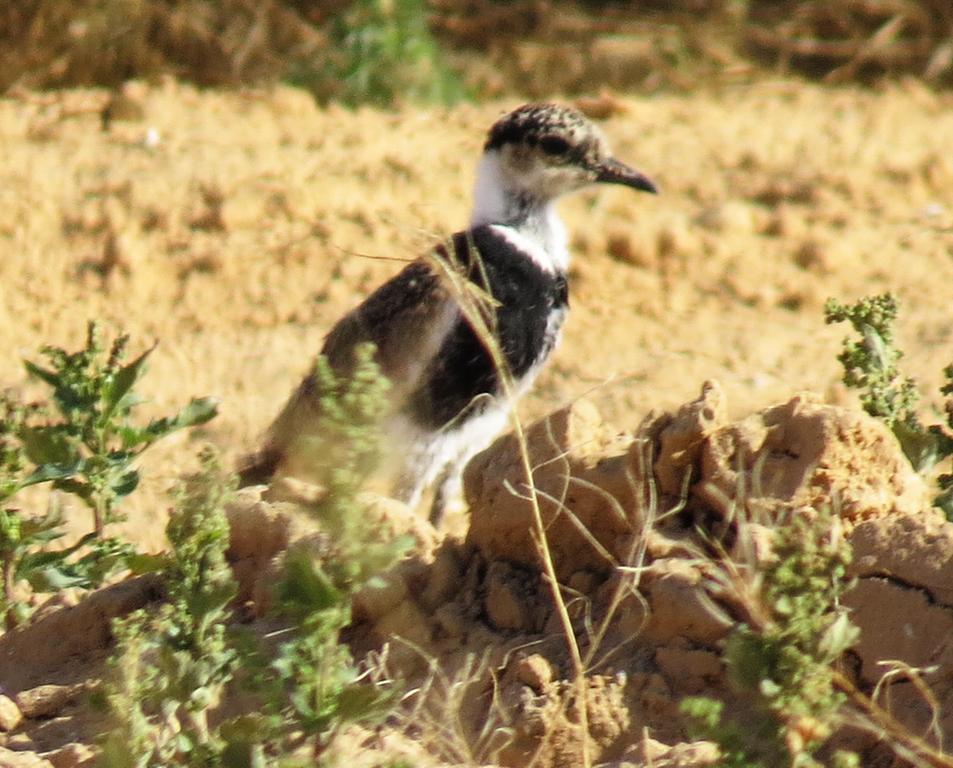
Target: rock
x,y
260,529
19,742
263,531
389,519
582,466
547,725
444,577
688,669
451,620
649,752
65,634
359,747
71,756
48,700
405,621
805,453
508,598
10,714
375,600
898,623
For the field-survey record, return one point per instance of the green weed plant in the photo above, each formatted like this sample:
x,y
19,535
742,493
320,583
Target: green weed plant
x,y
170,669
783,666
90,449
323,688
84,443
381,52
174,668
871,365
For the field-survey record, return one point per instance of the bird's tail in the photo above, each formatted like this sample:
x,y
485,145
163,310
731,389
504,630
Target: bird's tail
x,y
300,416
259,468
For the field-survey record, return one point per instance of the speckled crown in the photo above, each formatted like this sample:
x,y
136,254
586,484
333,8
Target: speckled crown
x,y
532,123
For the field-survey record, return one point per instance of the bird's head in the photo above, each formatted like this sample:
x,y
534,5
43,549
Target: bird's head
x,y
543,151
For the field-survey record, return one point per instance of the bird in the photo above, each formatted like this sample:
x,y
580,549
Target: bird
x,y
462,332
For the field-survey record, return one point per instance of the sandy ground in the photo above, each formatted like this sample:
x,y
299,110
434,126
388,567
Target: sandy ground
x,y
236,227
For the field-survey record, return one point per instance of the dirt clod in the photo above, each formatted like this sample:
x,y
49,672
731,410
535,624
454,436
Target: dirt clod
x,y
682,439
806,453
535,671
48,700
582,479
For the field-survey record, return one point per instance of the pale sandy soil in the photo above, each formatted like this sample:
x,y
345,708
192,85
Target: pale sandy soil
x,y
257,219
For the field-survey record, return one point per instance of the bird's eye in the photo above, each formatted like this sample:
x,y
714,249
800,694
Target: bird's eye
x,y
553,145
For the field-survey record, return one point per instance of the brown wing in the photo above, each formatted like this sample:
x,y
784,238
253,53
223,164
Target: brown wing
x,y
407,318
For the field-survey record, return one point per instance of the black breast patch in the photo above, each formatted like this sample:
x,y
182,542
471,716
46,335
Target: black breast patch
x,y
530,303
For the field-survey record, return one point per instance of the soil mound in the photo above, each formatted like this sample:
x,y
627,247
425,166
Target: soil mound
x,y
648,611
628,518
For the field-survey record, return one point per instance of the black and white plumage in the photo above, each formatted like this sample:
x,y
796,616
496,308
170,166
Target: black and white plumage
x,y
447,395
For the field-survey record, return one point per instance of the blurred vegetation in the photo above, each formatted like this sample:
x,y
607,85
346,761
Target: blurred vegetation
x,y
84,443
382,50
870,364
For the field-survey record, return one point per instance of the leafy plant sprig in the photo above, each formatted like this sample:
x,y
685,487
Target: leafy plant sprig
x,y
173,668
323,687
90,451
25,556
85,444
170,670
871,365
784,667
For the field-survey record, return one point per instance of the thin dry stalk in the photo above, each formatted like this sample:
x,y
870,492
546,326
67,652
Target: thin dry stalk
x,y
479,310
432,711
879,721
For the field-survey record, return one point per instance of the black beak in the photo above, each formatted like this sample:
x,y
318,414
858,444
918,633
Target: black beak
x,y
613,172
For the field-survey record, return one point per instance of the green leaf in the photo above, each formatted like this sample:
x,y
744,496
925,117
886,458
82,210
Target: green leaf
x,y
921,448
356,702
48,445
53,579
124,380
47,472
306,589
133,436
139,563
125,483
77,487
243,738
198,411
43,374
211,600
838,637
39,528
876,347
769,688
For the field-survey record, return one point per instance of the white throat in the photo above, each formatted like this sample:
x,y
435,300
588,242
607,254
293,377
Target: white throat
x,y
532,225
